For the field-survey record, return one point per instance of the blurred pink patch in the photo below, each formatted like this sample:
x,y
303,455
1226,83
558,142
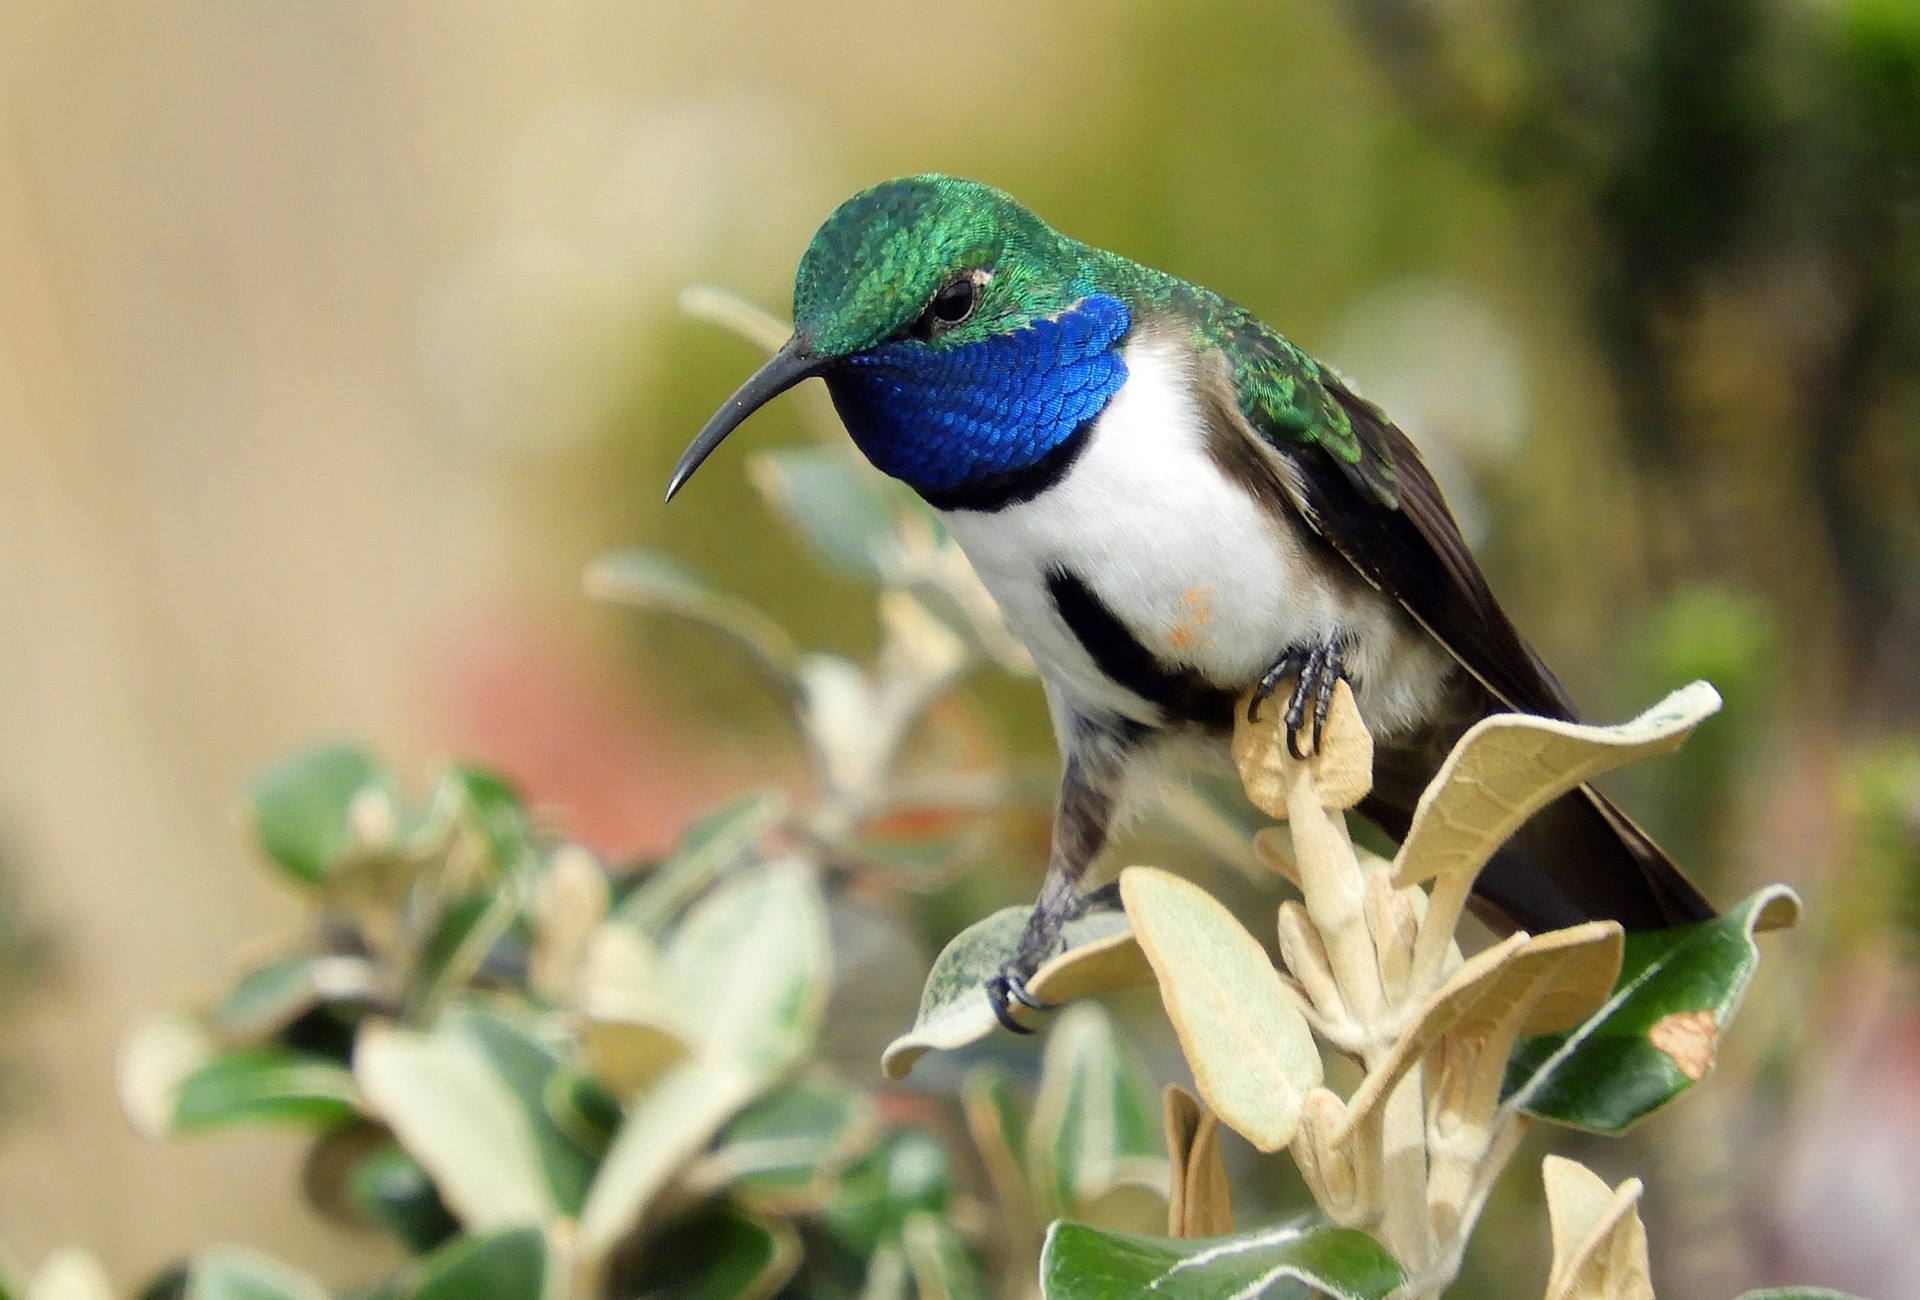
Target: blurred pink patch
x,y
517,693
1848,1209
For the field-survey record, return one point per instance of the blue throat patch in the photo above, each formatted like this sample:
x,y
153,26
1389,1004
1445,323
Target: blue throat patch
x,y
960,422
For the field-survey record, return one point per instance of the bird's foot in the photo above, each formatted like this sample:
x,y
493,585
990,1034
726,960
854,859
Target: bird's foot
x,y
1036,945
1316,669
1007,988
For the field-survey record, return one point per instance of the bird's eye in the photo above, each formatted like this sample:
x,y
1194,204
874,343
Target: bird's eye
x,y
952,305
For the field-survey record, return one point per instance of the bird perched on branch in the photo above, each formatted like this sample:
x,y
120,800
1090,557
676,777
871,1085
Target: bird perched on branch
x,y
1174,507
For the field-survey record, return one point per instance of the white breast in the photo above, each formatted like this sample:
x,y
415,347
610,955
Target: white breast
x,y
1199,572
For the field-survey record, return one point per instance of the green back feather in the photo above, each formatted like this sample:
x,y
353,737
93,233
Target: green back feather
x,y
876,263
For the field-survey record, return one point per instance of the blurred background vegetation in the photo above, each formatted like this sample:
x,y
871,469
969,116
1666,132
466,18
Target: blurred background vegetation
x,y
338,337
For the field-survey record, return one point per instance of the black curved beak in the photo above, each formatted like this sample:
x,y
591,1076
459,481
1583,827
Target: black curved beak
x,y
795,361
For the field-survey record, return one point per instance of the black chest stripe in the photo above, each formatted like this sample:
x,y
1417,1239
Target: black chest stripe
x,y
1180,691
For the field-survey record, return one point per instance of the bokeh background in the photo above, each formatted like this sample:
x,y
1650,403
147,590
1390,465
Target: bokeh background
x,y
336,337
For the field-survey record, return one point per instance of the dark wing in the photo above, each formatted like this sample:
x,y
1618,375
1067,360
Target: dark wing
x,y
1359,483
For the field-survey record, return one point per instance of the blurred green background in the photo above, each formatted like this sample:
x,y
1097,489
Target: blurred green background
x,y
336,338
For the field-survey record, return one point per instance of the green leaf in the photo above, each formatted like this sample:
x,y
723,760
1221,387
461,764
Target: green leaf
x,y
321,804
748,971
714,845
909,1172
1252,1056
835,504
781,1153
391,1190
1656,1037
450,1106
666,1127
510,1265
272,996
487,803
526,1067
463,934
997,1122
257,1086
717,1253
579,1107
1082,1263
942,1268
1096,1119
655,582
233,1273
954,1010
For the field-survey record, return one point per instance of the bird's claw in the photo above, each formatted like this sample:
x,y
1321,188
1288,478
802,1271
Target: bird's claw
x,y
1008,987
1316,670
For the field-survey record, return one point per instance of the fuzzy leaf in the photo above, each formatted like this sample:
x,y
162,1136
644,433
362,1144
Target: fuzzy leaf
x,y
487,803
1199,1200
718,1253
666,1127
466,929
739,316
461,1120
908,1173
832,502
233,1273
254,1086
389,1189
655,582
273,995
954,1010
1657,1036
580,1108
997,1122
630,1044
1523,982
154,1058
1081,1263
748,971
1599,1243
570,900
712,846
509,1265
938,1259
1252,1055
1095,1126
1511,765
318,806
781,1153
526,1066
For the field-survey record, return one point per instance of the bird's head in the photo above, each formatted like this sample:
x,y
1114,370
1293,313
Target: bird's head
x,y
923,262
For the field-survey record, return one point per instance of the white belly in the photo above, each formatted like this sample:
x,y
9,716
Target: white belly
x,y
1195,568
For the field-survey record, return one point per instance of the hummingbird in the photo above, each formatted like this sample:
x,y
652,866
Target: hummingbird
x,y
1176,509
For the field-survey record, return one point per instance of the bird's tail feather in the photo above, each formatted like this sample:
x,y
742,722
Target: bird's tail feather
x,y
1578,859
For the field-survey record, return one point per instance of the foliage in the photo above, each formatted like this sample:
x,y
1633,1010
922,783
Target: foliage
x,y
543,1075
1460,1054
